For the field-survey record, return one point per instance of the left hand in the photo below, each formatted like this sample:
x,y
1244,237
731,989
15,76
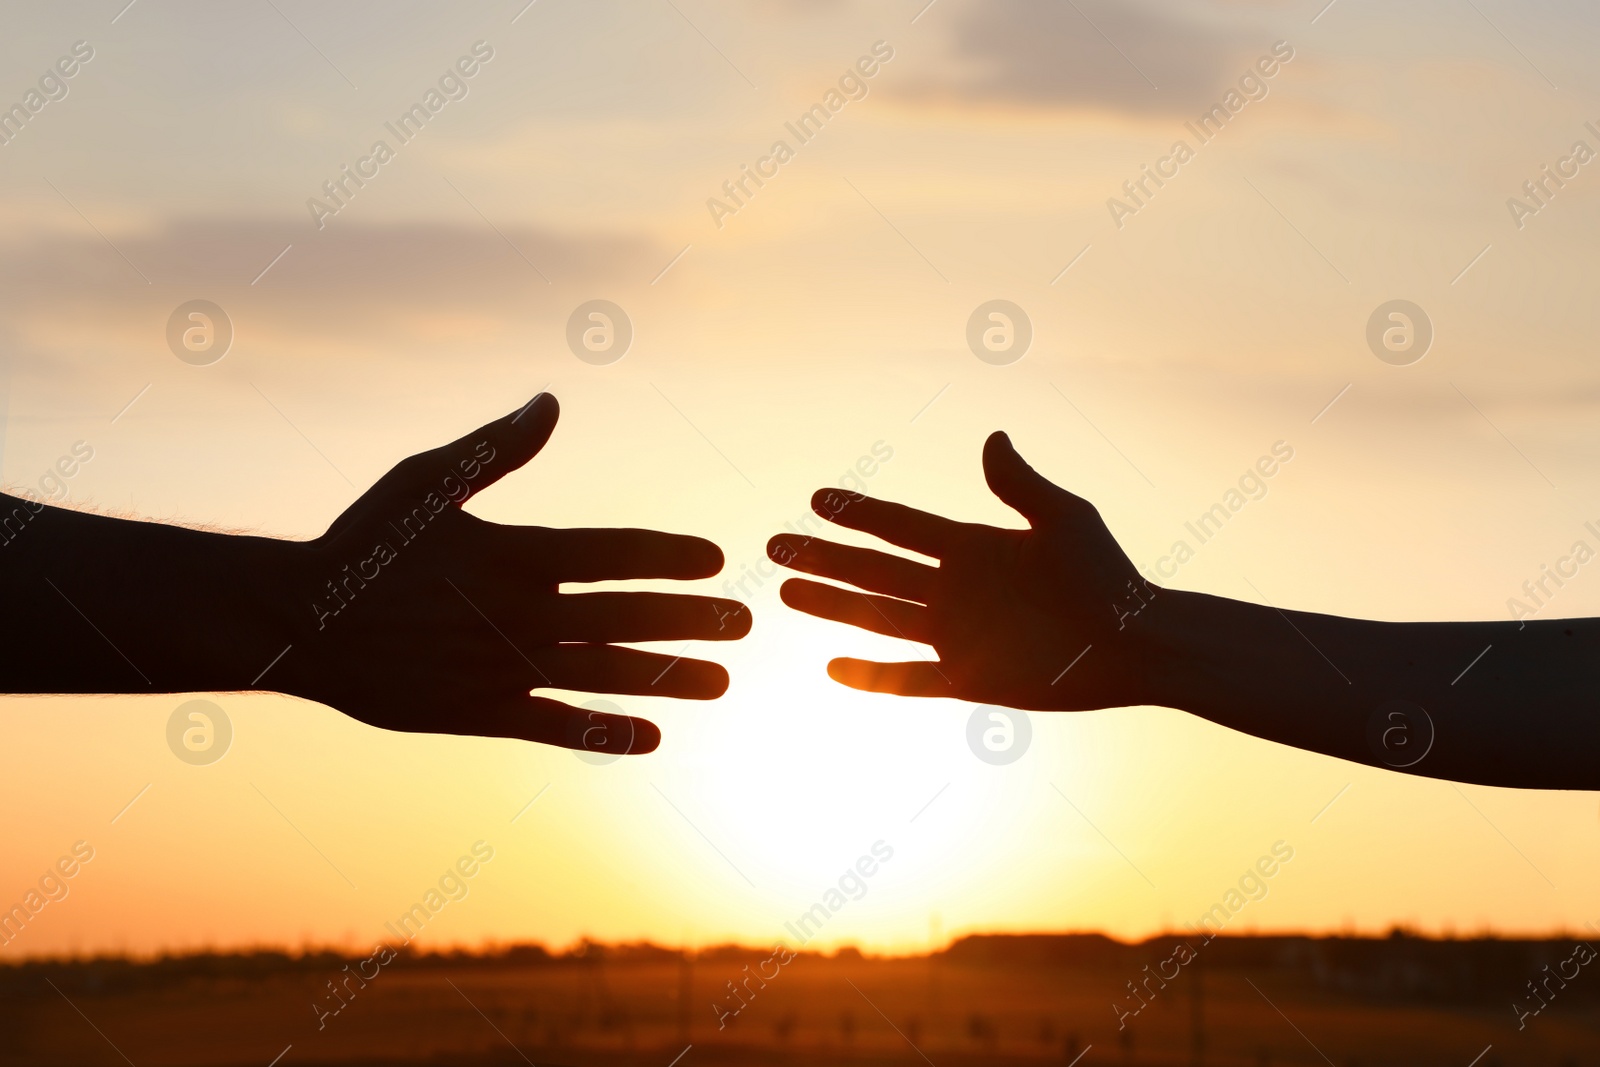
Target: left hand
x,y
1008,611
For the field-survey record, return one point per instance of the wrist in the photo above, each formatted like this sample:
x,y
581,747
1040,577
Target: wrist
x,y
1169,637
230,625
273,613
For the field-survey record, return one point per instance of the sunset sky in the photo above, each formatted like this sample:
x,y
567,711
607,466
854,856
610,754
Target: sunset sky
x,y
825,317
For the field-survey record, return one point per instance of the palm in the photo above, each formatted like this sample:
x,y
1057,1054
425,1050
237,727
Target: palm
x,y
1016,616
423,617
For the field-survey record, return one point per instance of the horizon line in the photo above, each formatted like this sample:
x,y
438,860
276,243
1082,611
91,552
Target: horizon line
x,y
581,949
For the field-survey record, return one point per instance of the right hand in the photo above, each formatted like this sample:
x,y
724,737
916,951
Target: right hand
x,y
414,615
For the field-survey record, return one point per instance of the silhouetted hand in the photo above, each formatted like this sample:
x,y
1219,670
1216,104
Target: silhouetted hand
x,y
1056,618
411,614
1008,611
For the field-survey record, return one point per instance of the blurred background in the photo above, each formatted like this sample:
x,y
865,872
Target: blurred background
x,y
781,337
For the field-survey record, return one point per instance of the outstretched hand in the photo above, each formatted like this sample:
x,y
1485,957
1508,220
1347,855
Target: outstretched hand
x,y
1030,619
411,614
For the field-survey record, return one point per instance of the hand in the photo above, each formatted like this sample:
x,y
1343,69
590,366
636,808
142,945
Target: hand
x,y
1008,611
411,614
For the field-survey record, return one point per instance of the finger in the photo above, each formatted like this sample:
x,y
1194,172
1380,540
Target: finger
x,y
608,618
919,531
1019,485
919,679
468,465
861,567
609,555
605,669
552,722
880,614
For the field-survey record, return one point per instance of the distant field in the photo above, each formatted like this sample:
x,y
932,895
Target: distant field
x,y
986,1000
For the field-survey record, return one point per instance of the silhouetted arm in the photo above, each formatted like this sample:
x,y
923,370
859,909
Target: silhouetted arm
x,y
409,613
1056,618
104,605
1412,696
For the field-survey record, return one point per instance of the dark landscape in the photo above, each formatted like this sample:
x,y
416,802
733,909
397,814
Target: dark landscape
x,y
993,999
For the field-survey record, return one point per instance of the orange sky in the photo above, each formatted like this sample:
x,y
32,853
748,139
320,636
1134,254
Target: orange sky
x,y
825,317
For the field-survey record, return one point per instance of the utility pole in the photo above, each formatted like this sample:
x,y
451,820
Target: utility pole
x,y
1197,1013
934,934
685,994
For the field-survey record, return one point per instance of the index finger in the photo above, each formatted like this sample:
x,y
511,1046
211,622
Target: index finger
x,y
601,555
920,531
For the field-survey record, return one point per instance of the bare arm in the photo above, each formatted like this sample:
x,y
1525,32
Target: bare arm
x,y
1056,618
1402,695
409,613
104,605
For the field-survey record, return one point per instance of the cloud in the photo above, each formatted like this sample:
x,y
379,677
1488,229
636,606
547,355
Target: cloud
x,y
348,261
1123,57
77,304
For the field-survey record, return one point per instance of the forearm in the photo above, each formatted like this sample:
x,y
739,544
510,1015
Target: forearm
x,y
1524,714
103,605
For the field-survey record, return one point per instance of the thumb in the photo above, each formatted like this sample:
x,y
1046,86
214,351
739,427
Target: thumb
x,y
503,445
1019,485
468,465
